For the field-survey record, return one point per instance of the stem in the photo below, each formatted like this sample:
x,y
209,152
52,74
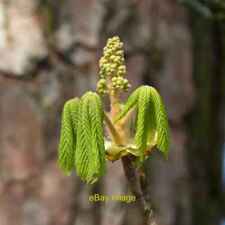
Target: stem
x,y
114,134
114,100
135,187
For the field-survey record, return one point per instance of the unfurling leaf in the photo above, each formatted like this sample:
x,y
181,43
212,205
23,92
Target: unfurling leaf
x,y
143,113
152,124
90,152
131,103
163,136
67,144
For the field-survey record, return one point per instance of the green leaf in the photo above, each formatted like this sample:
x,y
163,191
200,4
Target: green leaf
x,y
67,144
90,153
82,158
97,168
152,123
74,107
163,136
143,113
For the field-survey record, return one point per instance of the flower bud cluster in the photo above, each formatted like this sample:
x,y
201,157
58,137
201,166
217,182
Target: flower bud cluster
x,y
120,83
112,67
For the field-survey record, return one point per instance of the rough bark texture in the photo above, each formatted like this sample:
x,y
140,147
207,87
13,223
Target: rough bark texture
x,y
49,52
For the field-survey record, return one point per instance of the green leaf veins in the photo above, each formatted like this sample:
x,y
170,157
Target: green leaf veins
x,y
90,153
152,123
67,143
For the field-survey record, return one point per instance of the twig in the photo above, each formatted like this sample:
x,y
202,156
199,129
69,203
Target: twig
x,y
134,185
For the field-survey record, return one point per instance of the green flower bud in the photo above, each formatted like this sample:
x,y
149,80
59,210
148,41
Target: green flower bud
x,y
122,68
112,57
125,81
114,79
119,53
102,81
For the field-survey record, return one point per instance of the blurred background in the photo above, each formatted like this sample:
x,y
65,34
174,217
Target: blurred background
x,y
49,52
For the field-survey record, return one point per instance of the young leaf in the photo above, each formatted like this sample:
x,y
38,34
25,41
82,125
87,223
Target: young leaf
x,y
97,166
152,123
90,153
131,102
143,113
83,140
161,121
67,144
74,107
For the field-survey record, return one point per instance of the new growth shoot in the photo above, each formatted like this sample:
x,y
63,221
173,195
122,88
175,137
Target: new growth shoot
x,y
85,145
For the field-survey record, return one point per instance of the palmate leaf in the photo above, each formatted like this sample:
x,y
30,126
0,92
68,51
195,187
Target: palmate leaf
x,y
90,153
67,143
163,136
152,123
